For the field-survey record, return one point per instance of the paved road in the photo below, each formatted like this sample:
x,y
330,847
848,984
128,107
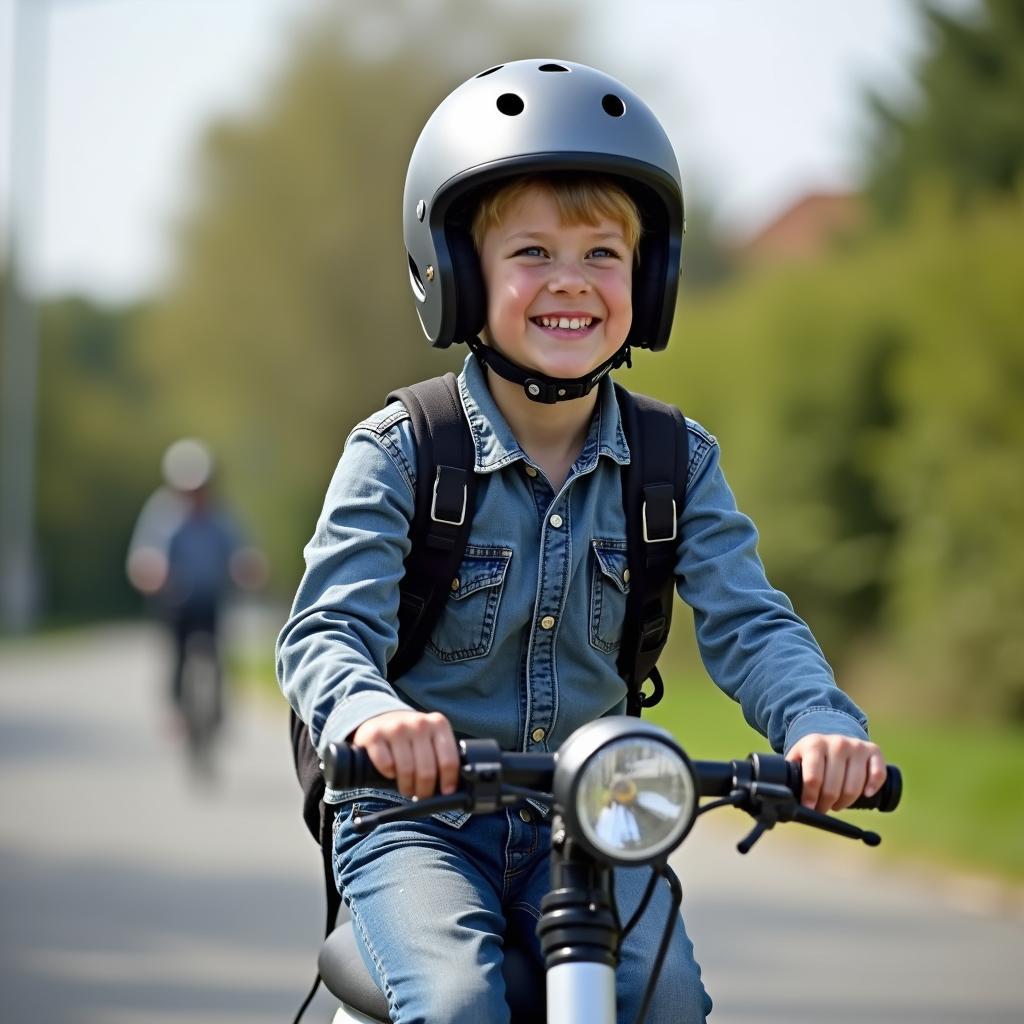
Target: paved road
x,y
129,895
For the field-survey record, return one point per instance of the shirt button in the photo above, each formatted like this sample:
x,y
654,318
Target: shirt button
x,y
625,575
455,583
555,520
537,735
547,622
526,816
530,471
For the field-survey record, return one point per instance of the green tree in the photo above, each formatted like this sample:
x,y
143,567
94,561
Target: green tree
x,y
290,316
708,261
870,418
95,459
952,475
966,128
788,369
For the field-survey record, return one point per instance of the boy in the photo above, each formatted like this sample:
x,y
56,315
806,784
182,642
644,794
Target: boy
x,y
543,219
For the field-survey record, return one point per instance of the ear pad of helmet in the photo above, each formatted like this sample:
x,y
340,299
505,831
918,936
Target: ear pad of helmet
x,y
471,295
649,270
648,290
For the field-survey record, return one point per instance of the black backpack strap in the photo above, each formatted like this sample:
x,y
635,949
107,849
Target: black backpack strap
x,y
653,494
445,503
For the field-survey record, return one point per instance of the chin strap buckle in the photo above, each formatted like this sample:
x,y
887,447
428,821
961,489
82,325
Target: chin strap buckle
x,y
550,389
538,387
549,393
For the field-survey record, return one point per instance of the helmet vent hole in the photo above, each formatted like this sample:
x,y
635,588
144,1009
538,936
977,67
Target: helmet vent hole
x,y
490,71
511,104
552,67
613,106
415,281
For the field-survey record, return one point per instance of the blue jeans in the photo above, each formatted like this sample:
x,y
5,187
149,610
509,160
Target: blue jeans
x,y
431,902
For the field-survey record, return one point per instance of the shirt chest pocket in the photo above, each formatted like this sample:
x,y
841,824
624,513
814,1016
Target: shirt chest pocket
x,y
467,624
609,586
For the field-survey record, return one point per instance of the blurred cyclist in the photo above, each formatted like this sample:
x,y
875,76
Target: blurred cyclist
x,y
187,553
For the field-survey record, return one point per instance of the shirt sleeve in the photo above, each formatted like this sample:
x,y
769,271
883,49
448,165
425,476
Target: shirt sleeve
x,y
753,644
333,651
161,515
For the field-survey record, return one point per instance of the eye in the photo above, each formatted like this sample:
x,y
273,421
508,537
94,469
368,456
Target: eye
x,y
603,252
535,251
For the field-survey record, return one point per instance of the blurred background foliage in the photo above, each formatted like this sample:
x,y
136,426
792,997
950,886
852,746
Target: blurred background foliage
x,y
293,288
966,128
868,400
869,407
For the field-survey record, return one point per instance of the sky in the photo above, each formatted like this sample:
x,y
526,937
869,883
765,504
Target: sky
x,y
762,99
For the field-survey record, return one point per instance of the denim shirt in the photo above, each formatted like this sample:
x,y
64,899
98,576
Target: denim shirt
x,y
525,649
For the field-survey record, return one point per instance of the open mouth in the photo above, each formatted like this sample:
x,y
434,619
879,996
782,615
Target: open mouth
x,y
566,323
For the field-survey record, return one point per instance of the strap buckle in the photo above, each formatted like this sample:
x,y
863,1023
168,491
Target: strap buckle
x,y
449,497
658,494
653,633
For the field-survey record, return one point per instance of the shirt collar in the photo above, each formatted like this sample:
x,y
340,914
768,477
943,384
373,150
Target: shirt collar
x,y
495,444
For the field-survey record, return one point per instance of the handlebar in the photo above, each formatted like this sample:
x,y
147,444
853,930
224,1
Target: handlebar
x,y
348,767
720,778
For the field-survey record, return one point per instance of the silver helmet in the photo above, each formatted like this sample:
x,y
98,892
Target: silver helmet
x,y
528,117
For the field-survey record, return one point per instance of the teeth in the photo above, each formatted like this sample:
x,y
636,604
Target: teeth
x,y
567,323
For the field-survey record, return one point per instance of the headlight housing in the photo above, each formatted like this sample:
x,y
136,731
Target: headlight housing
x,y
626,790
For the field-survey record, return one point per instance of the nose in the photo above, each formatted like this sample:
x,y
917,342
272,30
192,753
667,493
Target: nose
x,y
568,277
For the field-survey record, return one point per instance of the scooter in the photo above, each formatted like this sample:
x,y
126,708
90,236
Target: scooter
x,y
622,792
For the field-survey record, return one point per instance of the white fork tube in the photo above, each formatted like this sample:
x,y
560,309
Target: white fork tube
x,y
346,1015
581,993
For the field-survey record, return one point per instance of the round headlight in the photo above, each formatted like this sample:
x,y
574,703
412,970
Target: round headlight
x,y
625,790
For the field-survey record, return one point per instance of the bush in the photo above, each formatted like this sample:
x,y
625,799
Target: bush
x,y
870,413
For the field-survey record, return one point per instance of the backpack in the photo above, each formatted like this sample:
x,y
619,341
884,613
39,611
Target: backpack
x,y
653,490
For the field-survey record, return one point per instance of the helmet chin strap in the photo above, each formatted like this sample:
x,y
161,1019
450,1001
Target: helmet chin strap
x,y
537,386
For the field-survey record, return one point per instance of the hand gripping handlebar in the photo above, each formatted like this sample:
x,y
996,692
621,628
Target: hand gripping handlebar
x,y
348,767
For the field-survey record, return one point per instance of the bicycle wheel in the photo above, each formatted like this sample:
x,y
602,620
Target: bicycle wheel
x,y
201,700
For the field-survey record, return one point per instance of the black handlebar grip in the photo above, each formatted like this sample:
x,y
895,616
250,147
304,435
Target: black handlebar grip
x,y
888,797
348,767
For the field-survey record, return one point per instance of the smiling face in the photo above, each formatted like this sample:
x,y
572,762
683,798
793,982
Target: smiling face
x,y
559,295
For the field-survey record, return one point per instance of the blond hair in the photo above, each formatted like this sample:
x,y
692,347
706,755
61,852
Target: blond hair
x,y
580,198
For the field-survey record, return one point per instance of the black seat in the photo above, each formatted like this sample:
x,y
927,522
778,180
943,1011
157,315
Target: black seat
x,y
346,976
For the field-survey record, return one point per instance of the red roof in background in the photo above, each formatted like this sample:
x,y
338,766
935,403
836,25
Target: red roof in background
x,y
805,229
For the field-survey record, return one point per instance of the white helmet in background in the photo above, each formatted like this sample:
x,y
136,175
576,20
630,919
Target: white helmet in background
x,y
188,465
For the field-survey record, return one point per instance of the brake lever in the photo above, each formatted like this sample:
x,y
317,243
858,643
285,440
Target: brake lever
x,y
769,804
805,816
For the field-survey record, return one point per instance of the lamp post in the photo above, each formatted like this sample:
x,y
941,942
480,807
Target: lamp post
x,y
20,355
